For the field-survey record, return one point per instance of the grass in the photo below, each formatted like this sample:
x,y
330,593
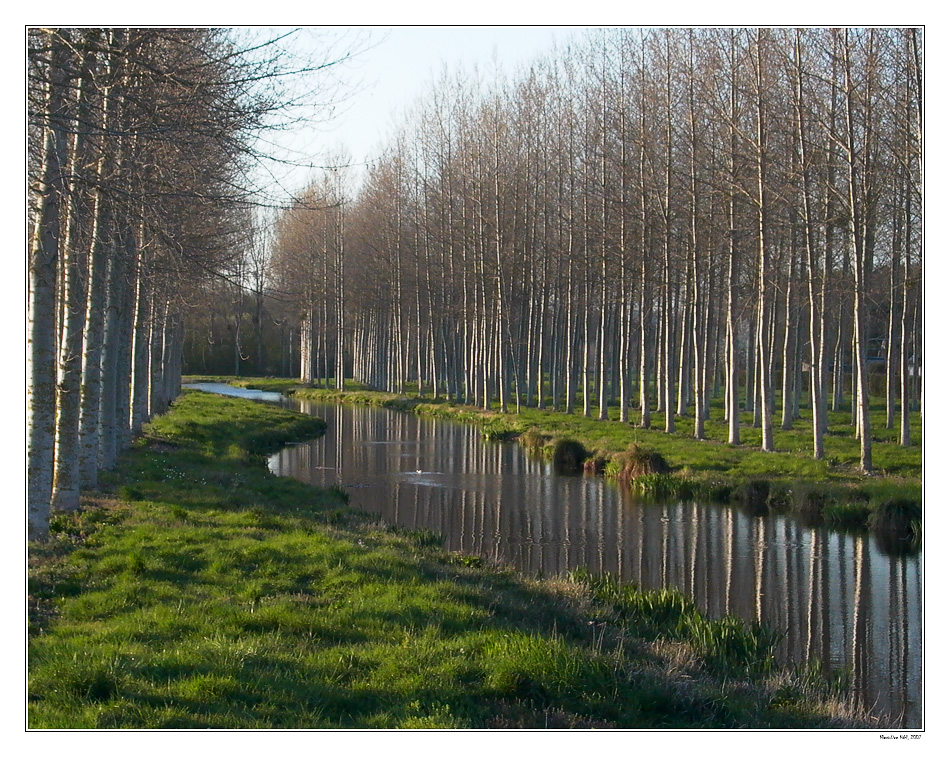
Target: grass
x,y
709,468
568,455
635,462
898,516
197,590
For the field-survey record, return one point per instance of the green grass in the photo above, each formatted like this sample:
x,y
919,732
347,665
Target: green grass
x,y
196,590
214,425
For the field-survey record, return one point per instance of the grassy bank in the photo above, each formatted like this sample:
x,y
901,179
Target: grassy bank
x,y
197,590
831,491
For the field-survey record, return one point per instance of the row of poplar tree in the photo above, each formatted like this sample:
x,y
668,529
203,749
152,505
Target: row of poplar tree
x,y
139,148
642,218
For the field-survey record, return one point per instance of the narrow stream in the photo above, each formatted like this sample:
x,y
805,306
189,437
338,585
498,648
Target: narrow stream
x,y
837,596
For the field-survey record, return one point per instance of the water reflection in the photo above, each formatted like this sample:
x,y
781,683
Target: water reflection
x,y
837,597
236,391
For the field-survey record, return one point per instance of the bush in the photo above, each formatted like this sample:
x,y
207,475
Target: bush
x,y
568,456
753,496
847,514
532,440
899,517
639,461
597,464
809,498
657,486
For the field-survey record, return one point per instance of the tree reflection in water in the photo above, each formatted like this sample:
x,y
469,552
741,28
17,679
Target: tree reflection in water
x,y
849,601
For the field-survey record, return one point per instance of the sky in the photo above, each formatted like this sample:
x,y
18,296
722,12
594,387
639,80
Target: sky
x,y
392,68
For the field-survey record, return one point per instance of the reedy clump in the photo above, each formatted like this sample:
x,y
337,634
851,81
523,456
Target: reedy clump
x,y
638,461
568,456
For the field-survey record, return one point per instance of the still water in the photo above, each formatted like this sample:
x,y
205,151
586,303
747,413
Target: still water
x,y
837,597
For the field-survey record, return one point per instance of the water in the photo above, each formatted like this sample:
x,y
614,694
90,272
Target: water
x,y
838,597
236,391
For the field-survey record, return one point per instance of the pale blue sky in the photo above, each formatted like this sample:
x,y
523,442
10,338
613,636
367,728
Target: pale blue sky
x,y
397,68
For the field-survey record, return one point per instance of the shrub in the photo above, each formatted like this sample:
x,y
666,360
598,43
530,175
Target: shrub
x,y
753,496
338,492
532,440
809,498
596,465
847,514
657,486
639,461
568,456
899,516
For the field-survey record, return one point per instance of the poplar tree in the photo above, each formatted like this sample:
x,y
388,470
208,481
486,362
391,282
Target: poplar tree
x,y
140,145
667,209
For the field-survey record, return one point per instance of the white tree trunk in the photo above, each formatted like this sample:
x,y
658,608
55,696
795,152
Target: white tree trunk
x,y
43,275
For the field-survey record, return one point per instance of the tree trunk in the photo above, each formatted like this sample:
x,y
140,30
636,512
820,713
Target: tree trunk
x,y
43,275
765,354
856,239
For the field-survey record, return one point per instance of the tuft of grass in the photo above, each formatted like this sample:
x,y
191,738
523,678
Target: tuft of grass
x,y
652,613
533,441
421,538
596,464
546,670
658,487
753,496
900,517
809,498
847,514
727,646
637,461
730,644
568,456
433,717
497,431
340,493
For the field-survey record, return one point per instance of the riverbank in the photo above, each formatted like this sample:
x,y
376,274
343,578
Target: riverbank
x,y
197,590
830,491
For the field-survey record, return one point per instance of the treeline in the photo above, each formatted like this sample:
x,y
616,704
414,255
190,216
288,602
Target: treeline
x,y
242,325
140,142
642,219
283,295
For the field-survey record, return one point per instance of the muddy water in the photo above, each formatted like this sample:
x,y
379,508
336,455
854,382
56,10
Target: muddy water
x,y
839,598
